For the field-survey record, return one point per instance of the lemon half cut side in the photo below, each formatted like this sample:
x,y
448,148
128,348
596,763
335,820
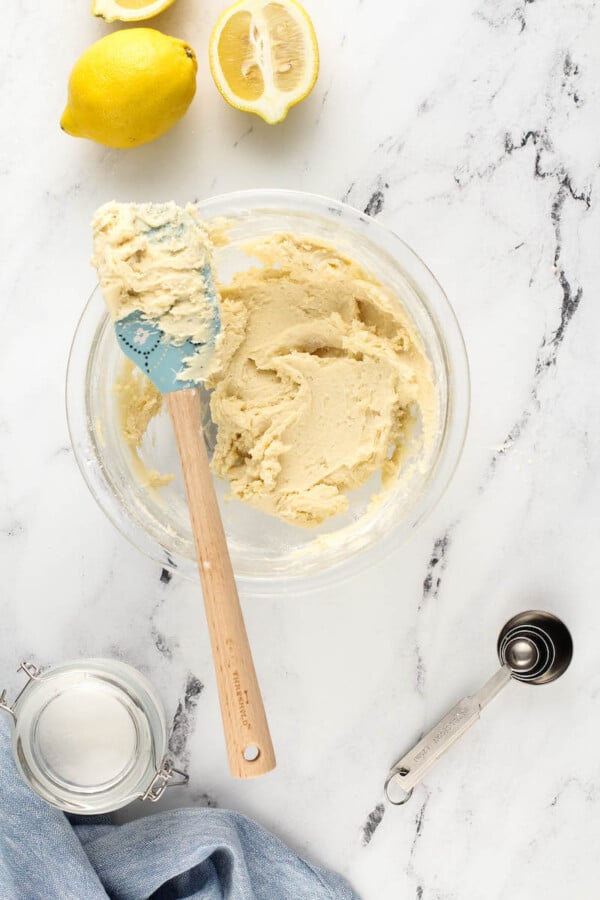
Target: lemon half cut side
x,y
264,56
128,10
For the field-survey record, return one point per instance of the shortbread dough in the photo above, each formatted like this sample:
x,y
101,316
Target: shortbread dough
x,y
320,381
155,259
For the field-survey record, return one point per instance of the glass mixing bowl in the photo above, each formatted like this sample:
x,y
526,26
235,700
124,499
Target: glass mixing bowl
x,y
270,556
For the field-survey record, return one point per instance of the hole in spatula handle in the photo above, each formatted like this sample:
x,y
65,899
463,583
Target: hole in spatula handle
x,y
251,753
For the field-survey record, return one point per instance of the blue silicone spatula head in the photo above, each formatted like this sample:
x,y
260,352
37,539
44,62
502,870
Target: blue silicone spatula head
x,y
153,260
146,345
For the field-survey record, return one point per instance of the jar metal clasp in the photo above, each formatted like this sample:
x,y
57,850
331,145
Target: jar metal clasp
x,y
33,673
162,780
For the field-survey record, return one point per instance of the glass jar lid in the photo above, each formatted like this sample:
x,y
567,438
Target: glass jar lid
x,y
90,736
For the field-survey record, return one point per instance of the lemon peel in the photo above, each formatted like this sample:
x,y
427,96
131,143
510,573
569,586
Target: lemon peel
x,y
130,87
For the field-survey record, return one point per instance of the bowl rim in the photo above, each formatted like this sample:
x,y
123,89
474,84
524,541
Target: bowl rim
x,y
455,427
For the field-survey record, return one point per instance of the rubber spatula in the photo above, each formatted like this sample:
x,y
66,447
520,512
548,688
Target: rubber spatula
x,y
249,747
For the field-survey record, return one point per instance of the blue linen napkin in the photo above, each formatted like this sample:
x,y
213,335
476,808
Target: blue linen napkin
x,y
211,854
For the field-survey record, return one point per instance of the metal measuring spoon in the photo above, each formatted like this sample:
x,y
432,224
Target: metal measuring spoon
x,y
534,647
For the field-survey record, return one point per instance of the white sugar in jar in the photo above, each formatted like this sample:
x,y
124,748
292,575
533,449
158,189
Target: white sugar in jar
x,y
90,736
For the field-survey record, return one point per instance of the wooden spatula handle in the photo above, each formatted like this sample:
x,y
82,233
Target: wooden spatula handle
x,y
244,720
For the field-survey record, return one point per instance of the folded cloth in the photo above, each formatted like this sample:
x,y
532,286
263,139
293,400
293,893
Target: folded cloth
x,y
212,854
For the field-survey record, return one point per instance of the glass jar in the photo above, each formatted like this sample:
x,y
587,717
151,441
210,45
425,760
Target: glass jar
x,y
90,736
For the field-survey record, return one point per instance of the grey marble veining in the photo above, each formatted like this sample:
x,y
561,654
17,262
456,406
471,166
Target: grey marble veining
x,y
473,129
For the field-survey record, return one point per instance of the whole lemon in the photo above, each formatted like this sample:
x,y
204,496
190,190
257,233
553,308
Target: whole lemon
x,y
130,87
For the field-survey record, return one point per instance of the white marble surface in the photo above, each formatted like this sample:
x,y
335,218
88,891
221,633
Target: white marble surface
x,y
473,129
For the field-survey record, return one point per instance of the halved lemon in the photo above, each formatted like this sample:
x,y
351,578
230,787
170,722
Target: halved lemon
x,y
264,56
128,10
